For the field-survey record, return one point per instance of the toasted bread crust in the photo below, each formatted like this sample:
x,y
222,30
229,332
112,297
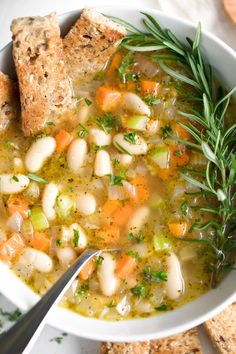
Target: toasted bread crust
x,y
8,101
222,330
90,42
184,343
44,85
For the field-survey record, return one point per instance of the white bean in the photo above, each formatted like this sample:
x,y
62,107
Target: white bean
x,y
99,137
138,219
175,282
86,203
132,102
139,148
76,154
82,241
49,197
39,152
83,112
10,183
102,165
125,159
38,259
106,275
66,255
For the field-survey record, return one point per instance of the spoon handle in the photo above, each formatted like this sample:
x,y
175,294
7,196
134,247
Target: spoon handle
x,y
17,338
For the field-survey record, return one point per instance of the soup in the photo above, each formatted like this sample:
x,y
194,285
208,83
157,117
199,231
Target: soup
x,y
106,174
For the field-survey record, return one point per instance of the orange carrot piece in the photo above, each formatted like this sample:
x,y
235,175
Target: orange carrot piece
x,y
110,207
114,65
40,241
107,98
11,248
19,204
128,86
108,235
178,229
149,87
125,266
178,157
181,132
87,270
63,140
142,189
122,214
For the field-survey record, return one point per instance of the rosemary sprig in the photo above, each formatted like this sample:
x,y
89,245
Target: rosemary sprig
x,y
214,140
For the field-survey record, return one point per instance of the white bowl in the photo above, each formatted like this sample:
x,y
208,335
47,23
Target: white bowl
x,y
223,61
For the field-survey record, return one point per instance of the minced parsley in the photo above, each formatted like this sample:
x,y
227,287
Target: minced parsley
x,y
141,290
138,237
76,237
154,276
134,254
130,137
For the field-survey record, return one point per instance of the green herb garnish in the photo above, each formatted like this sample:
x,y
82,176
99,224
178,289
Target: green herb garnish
x,y
154,276
151,100
83,132
138,237
162,307
82,290
166,130
115,180
15,178
111,304
131,137
76,238
125,74
11,316
58,242
141,290
37,178
123,149
51,123
96,148
106,122
88,102
184,207
134,254
98,261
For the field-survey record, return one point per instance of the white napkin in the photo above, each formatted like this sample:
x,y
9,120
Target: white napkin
x,y
210,12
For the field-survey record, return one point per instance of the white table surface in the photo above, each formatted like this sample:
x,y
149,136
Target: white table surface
x,y
212,17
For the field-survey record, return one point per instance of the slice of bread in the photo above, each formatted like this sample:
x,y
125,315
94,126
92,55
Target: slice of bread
x,y
45,88
8,101
222,330
125,348
90,43
184,343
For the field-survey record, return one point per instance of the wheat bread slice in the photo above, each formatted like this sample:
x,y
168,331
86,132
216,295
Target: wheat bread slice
x,y
8,101
90,43
222,330
44,85
184,343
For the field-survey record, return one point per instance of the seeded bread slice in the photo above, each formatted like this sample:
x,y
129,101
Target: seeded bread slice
x,y
45,89
222,330
8,101
125,348
184,343
90,43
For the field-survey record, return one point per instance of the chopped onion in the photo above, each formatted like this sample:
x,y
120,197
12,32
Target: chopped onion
x,y
14,222
27,230
33,191
130,188
116,193
123,307
146,66
141,169
70,294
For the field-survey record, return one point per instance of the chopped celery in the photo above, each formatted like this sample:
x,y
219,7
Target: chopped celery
x,y
156,202
65,205
161,243
160,155
137,122
38,219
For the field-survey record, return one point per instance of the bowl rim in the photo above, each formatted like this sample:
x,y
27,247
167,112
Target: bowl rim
x,y
56,317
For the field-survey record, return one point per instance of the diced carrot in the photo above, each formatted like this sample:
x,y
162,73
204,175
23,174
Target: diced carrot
x,y
63,140
107,98
108,235
149,87
114,65
178,229
142,189
125,266
19,204
110,207
181,132
128,86
178,157
122,214
40,241
87,270
11,248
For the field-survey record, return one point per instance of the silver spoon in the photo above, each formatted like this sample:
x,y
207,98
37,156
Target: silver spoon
x,y
18,338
